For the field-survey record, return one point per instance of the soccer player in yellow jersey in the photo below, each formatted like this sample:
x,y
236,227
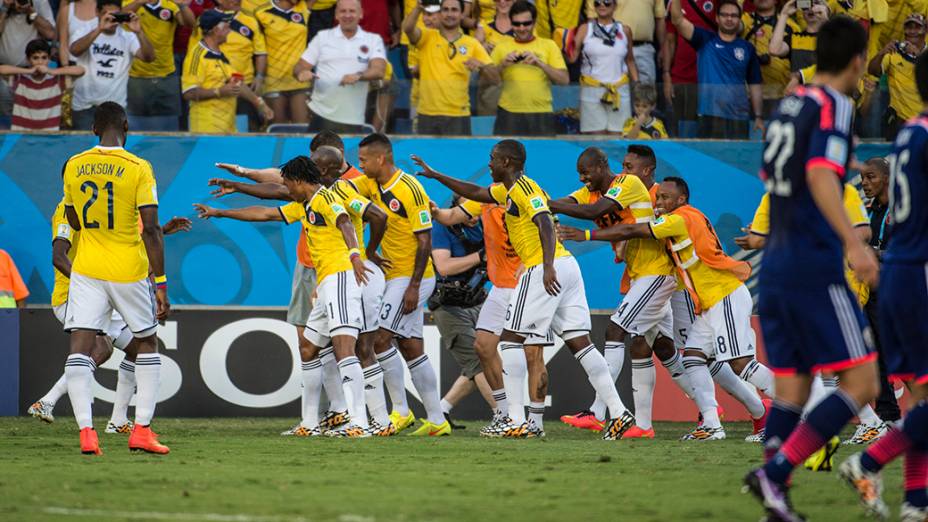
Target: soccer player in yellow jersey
x,y
407,248
284,23
209,82
153,87
106,189
117,334
337,314
722,328
550,293
608,199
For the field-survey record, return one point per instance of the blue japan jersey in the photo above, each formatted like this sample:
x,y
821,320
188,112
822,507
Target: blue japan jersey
x,y
811,128
908,194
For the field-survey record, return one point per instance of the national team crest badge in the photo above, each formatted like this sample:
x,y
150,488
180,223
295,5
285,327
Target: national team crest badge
x,y
364,49
296,18
739,54
311,217
462,50
708,7
244,31
394,205
164,14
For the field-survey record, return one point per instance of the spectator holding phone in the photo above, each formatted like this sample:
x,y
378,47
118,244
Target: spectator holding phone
x,y
526,66
897,62
106,53
22,21
799,46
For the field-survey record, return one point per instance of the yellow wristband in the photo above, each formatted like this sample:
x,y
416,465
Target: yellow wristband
x,y
162,279
353,252
586,235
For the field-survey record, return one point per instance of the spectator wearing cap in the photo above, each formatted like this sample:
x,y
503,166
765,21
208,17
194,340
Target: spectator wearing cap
x,y
897,62
345,58
798,46
646,19
757,29
13,291
210,84
37,89
526,66
606,71
154,87
246,51
446,58
106,53
728,73
679,66
22,21
285,34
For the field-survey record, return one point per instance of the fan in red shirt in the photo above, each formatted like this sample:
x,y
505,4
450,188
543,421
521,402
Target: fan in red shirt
x,y
680,78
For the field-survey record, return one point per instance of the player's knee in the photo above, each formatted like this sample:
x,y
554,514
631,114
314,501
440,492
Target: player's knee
x,y
101,351
615,333
664,348
639,348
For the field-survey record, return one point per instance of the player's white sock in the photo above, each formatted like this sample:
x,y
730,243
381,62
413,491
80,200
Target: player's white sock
x,y
58,389
817,392
78,370
677,372
515,370
426,383
312,389
598,372
643,379
615,358
393,378
353,381
702,389
147,382
868,416
760,376
125,388
123,339
502,404
373,394
737,388
446,406
536,414
332,380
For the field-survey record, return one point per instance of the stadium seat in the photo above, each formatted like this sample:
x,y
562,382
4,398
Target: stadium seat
x,y
402,126
482,125
154,123
241,123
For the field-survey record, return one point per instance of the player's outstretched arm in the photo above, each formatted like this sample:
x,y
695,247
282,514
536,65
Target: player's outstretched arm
x,y
241,214
376,219
60,258
613,233
268,175
459,187
448,216
177,224
263,190
828,194
569,207
153,237
343,222
546,234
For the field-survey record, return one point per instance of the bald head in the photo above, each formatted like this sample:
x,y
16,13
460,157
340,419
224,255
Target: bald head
x,y
329,160
327,153
592,157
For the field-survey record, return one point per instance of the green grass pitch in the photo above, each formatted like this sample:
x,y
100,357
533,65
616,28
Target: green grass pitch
x,y
241,470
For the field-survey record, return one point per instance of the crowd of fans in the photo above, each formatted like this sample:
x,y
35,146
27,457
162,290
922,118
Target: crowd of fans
x,y
637,68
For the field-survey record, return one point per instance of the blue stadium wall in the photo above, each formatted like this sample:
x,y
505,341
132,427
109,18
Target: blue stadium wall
x,y
228,263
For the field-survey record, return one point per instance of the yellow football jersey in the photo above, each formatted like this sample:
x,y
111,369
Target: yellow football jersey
x,y
564,14
356,205
107,186
652,130
407,207
526,88
61,229
443,77
209,69
159,21
285,33
642,256
325,240
245,41
523,202
710,284
899,68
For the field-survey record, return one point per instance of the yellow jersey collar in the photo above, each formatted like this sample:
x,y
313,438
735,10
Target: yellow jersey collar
x,y
393,180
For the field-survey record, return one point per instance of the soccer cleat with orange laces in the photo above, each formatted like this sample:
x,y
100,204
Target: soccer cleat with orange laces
x,y
869,486
585,420
89,443
637,433
616,428
144,439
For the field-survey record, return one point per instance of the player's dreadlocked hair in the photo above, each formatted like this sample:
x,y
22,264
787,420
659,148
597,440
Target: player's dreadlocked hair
x,y
302,169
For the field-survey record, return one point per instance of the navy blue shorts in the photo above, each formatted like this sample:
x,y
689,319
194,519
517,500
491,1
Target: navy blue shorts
x,y
904,320
813,329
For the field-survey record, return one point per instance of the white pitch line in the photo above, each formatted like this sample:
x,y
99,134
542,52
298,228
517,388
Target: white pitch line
x,y
209,517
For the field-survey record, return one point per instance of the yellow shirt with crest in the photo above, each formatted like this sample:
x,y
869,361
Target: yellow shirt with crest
x,y
158,21
61,229
443,77
107,186
208,69
356,204
526,88
245,41
326,243
523,202
407,207
285,33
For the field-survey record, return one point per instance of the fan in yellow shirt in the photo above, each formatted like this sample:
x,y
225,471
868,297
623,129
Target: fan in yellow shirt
x,y
897,62
244,47
210,84
526,66
284,23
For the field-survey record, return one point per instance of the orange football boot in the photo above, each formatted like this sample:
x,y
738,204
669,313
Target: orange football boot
x,y
143,439
89,443
760,423
637,433
585,420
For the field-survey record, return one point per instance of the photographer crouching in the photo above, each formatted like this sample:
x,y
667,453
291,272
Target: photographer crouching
x,y
460,261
